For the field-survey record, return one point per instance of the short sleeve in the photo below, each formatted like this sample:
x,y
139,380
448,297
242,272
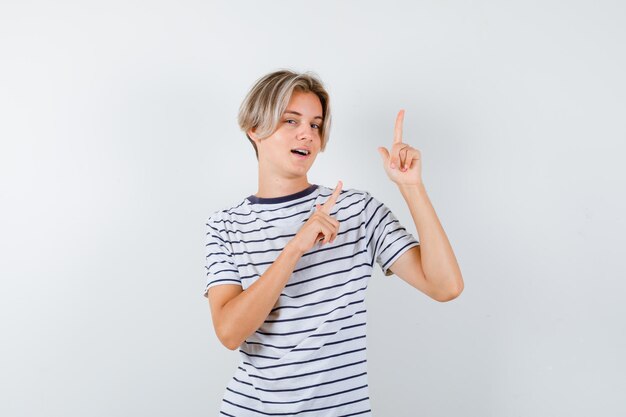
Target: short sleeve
x,y
387,239
220,263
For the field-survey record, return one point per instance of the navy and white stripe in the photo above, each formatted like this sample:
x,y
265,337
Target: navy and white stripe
x,y
309,356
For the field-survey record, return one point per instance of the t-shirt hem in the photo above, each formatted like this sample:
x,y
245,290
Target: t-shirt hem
x,y
386,271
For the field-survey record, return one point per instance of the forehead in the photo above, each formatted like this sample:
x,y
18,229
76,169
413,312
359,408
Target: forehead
x,y
305,103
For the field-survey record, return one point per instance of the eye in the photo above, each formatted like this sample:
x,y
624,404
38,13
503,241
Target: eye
x,y
316,125
289,120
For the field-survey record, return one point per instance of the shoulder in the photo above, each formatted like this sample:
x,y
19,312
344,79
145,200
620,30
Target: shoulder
x,y
347,195
221,218
352,202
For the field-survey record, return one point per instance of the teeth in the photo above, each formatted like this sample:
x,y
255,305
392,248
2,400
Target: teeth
x,y
302,151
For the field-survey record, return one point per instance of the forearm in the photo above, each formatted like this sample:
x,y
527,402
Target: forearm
x,y
246,312
438,261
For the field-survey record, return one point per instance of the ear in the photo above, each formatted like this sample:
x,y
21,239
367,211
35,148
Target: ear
x,y
252,134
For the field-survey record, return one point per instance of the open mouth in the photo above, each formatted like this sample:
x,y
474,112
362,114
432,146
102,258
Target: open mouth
x,y
301,152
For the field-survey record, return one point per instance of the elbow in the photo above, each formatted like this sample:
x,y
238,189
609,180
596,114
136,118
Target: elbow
x,y
448,297
229,343
451,293
228,339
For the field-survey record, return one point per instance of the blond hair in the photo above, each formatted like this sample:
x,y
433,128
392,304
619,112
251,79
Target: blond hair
x,y
268,98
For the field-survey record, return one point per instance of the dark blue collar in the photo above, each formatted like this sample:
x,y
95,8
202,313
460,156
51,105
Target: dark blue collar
x,y
261,200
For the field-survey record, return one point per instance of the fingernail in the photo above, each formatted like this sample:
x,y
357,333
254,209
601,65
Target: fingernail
x,y
393,166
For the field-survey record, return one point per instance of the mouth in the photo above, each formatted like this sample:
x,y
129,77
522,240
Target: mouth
x,y
301,153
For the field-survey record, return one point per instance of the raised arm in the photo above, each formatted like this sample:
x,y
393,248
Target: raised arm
x,y
431,267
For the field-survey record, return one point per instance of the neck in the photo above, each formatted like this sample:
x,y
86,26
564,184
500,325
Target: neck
x,y
271,186
281,187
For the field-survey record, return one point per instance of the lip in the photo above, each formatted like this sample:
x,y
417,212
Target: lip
x,y
300,156
306,148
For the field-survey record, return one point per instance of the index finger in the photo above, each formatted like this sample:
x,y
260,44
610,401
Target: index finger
x,y
328,204
397,132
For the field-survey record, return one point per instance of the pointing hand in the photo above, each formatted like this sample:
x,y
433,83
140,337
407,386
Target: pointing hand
x,y
403,165
320,226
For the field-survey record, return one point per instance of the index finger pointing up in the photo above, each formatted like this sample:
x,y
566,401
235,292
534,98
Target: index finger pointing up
x,y
328,205
397,133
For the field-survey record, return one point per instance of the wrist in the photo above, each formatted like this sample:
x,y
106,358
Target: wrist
x,y
413,192
292,249
412,188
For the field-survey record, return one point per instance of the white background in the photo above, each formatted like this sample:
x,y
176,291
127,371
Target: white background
x,y
119,137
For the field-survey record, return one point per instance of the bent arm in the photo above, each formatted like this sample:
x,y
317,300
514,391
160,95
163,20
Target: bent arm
x,y
236,313
433,265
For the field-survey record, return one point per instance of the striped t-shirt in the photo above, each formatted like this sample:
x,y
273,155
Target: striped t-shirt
x,y
309,356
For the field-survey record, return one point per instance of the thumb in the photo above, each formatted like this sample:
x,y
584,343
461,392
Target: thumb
x,y
384,153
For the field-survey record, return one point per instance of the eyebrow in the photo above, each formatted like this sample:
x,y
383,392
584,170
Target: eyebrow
x,y
296,113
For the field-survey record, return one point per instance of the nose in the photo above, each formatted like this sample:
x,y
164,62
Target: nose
x,y
305,132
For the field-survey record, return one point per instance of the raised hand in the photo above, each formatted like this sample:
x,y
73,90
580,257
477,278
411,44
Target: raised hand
x,y
403,164
320,226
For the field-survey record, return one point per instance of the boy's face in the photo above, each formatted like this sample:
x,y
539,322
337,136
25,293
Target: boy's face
x,y
299,128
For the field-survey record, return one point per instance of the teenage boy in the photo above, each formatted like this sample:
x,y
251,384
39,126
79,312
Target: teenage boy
x,y
287,268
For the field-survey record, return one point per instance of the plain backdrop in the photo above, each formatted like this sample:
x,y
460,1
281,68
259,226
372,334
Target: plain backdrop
x,y
119,137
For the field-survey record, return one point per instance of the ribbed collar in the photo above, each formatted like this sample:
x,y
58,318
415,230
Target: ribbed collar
x,y
274,200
